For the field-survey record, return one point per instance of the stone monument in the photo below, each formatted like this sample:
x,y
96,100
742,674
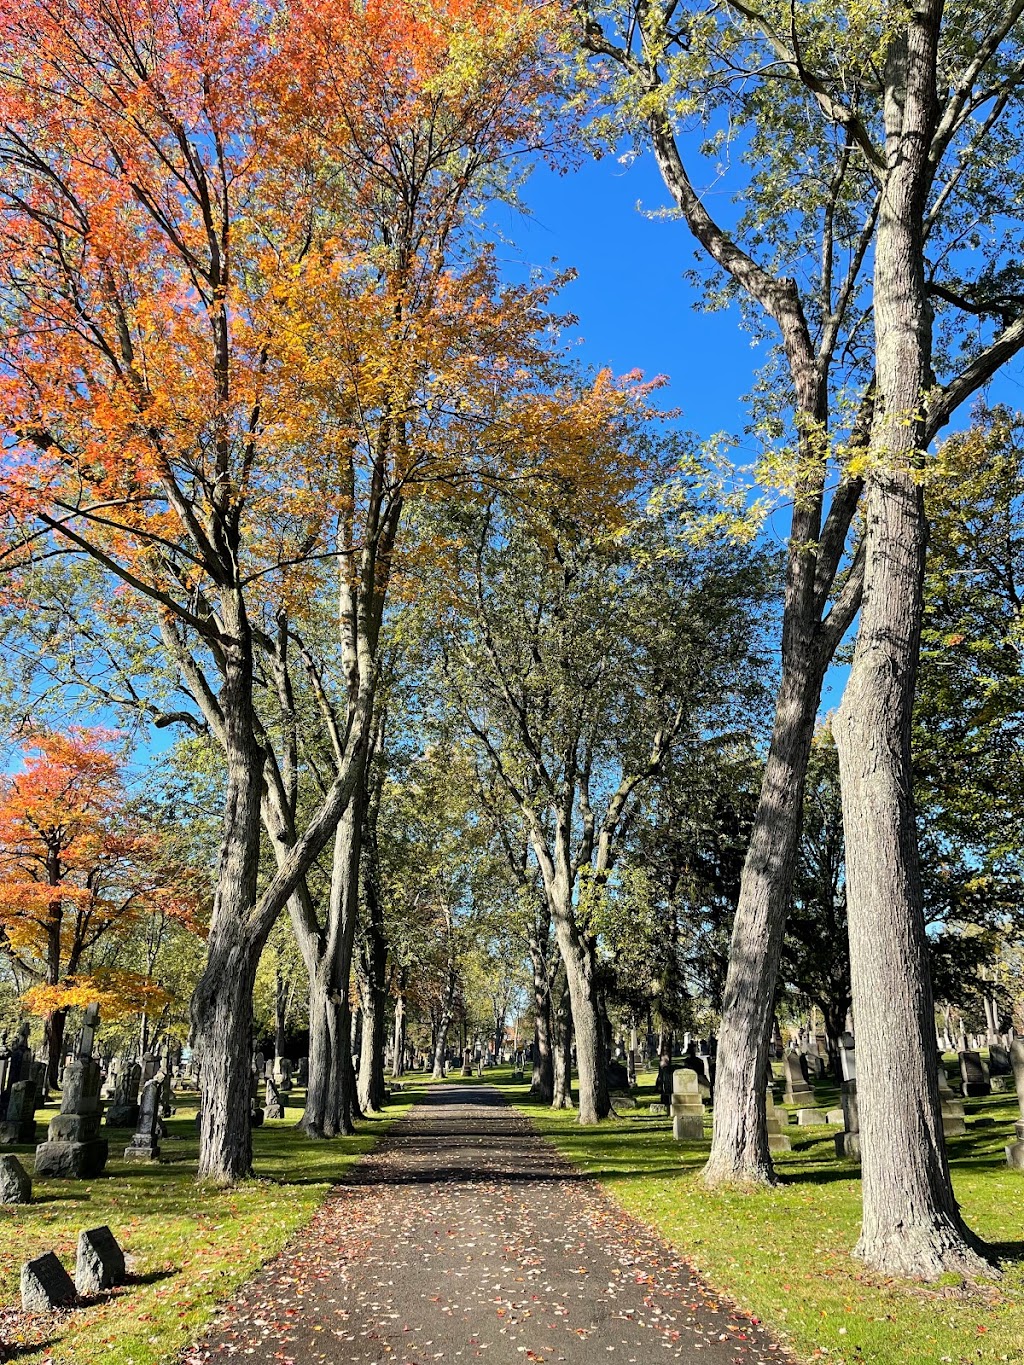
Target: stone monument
x,y
123,1110
798,1091
687,1107
145,1146
973,1074
20,1123
273,1107
778,1140
74,1148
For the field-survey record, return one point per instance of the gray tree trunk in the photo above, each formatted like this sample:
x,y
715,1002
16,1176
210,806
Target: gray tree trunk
x,y
222,1001
562,1050
911,1222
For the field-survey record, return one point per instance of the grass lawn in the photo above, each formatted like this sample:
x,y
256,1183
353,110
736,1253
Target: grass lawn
x,y
783,1254
190,1246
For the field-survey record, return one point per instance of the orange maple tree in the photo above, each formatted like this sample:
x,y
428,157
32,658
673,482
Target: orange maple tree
x,y
76,872
240,248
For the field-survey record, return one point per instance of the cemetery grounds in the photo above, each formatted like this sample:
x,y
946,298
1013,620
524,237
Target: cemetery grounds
x,y
781,1255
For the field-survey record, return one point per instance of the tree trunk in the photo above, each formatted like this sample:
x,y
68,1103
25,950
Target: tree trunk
x,y
562,1050
739,1147
53,1041
911,1222
440,1045
542,1084
222,1000
581,977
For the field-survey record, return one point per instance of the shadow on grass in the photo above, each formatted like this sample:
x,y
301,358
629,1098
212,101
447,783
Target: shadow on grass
x,y
15,1351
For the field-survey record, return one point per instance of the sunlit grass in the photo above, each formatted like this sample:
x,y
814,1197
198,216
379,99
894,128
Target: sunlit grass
x,y
189,1246
784,1254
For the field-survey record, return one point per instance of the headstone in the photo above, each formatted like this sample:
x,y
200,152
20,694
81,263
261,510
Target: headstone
x,y
664,1081
100,1261
273,1108
144,1146
1015,1150
73,1148
467,1062
45,1285
808,1118
123,1111
687,1108
973,1073
778,1139
848,1141
284,1075
797,1088
256,1115
836,1118
953,1124
302,1077
15,1185
657,1110
20,1123
999,1061
150,1066
166,1097
260,1063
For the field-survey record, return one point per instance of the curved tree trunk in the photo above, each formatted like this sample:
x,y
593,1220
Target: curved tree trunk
x,y
739,1147
542,1084
398,1045
911,1222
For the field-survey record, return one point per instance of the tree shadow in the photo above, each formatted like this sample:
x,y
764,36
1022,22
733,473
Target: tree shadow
x,y
15,1350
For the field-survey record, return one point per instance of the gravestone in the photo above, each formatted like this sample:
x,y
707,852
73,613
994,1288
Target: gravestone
x,y
284,1083
797,1089
256,1115
778,1140
45,1285
953,1124
973,1074
123,1110
848,1057
999,1061
20,1123
1015,1150
166,1099
467,1062
811,1116
273,1107
145,1145
687,1107
302,1077
848,1141
18,1067
15,1185
73,1148
100,1261
663,1084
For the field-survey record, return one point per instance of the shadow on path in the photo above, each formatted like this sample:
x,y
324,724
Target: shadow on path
x,y
466,1236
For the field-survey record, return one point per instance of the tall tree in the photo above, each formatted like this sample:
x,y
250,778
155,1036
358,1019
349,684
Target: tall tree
x,y
825,105
562,652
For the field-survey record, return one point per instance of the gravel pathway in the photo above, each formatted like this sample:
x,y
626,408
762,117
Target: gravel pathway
x,y
465,1236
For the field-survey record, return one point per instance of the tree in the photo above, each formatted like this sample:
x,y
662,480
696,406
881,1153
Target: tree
x,y
564,652
228,303
795,93
78,871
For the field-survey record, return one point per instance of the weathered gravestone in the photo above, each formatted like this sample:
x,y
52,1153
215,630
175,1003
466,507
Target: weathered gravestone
x,y
687,1108
273,1106
145,1145
973,1074
166,1099
74,1148
778,1140
302,1076
797,1089
255,1109
45,1285
20,1123
999,1061
284,1075
100,1261
123,1111
953,1124
15,1185
1015,1150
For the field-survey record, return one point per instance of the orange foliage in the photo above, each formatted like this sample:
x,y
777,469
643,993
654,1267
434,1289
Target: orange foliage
x,y
238,241
74,870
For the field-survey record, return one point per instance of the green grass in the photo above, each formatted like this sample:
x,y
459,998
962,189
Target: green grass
x,y
783,1255
189,1246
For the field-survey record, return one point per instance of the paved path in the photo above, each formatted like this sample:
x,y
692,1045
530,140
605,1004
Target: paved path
x,y
466,1237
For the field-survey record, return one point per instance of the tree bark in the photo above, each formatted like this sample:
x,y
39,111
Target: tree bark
x,y
739,1148
911,1222
562,1050
222,1001
542,1084
398,1045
